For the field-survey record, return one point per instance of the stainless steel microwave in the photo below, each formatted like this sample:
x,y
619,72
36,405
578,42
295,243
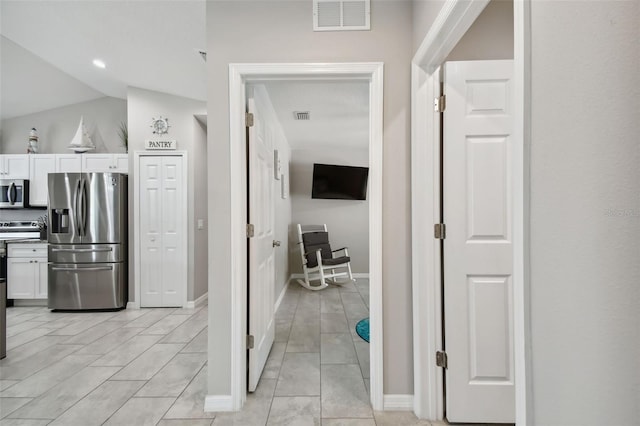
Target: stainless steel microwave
x,y
14,193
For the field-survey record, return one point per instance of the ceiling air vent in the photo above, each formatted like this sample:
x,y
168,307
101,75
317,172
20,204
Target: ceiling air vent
x,y
301,115
341,15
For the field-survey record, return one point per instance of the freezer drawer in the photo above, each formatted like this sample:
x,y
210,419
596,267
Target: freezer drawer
x,y
86,253
87,286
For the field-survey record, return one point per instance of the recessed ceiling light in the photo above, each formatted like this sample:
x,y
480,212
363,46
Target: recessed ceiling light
x,y
99,63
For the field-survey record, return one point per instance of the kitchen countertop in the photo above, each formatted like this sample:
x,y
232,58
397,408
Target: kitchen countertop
x,y
27,240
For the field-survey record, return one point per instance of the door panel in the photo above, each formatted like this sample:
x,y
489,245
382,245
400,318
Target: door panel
x,y
172,238
39,168
478,258
105,192
150,232
261,251
21,276
63,208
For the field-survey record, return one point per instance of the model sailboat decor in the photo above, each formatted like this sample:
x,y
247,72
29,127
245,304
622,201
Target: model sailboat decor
x,y
81,142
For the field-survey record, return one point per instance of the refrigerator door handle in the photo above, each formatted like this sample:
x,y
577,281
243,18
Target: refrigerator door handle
x,y
77,207
95,268
69,250
83,211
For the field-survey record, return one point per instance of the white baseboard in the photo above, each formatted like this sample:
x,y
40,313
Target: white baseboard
x,y
284,290
201,300
133,305
195,303
218,403
398,402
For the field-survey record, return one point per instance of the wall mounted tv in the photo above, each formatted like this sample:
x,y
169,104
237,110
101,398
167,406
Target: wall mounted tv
x,y
339,182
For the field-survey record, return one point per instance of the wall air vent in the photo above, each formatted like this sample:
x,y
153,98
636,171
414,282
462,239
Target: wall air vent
x,y
301,115
341,15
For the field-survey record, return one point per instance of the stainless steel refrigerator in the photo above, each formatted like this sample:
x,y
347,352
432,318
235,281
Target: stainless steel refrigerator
x,y
87,235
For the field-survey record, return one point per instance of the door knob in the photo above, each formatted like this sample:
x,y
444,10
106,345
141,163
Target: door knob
x,y
276,243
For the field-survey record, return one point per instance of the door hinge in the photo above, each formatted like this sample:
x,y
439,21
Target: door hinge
x,y
441,359
439,231
249,341
250,230
440,103
248,119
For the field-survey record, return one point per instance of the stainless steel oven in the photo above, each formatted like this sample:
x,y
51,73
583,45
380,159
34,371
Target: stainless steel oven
x,y
10,231
14,193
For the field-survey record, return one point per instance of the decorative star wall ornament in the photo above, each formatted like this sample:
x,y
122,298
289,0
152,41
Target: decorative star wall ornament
x,y
160,125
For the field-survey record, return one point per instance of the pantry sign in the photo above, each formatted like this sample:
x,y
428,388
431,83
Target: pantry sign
x,y
160,144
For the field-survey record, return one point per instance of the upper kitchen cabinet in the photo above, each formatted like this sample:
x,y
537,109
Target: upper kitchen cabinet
x,y
114,163
68,163
40,165
87,163
14,166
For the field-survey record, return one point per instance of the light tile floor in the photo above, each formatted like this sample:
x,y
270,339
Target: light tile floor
x,y
148,367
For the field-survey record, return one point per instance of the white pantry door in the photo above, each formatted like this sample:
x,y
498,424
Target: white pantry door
x,y
478,249
162,240
261,250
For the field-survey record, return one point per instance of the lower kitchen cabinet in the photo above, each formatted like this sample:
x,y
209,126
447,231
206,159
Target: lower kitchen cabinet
x,y
27,271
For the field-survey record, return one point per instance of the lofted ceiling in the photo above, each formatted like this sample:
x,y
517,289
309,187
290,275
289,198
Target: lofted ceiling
x,y
145,43
47,48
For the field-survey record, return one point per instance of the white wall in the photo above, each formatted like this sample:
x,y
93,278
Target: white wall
x,y
200,246
347,220
143,105
490,36
424,13
281,31
585,212
56,127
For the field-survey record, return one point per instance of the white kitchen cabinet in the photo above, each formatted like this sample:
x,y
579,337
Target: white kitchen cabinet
x,y
14,166
115,163
27,271
40,165
68,163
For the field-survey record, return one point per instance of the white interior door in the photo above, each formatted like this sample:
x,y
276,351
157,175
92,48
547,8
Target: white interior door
x,y
478,249
162,239
261,250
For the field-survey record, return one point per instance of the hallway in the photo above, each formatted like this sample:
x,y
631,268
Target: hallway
x,y
148,367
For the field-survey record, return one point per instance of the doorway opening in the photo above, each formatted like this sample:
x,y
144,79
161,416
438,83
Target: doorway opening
x,y
240,76
315,328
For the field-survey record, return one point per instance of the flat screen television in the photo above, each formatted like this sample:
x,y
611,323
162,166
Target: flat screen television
x,y
339,182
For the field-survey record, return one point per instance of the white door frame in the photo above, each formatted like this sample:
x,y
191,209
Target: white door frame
x,y
136,221
451,24
239,76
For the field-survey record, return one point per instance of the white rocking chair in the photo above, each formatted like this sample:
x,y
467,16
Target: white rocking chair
x,y
318,261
